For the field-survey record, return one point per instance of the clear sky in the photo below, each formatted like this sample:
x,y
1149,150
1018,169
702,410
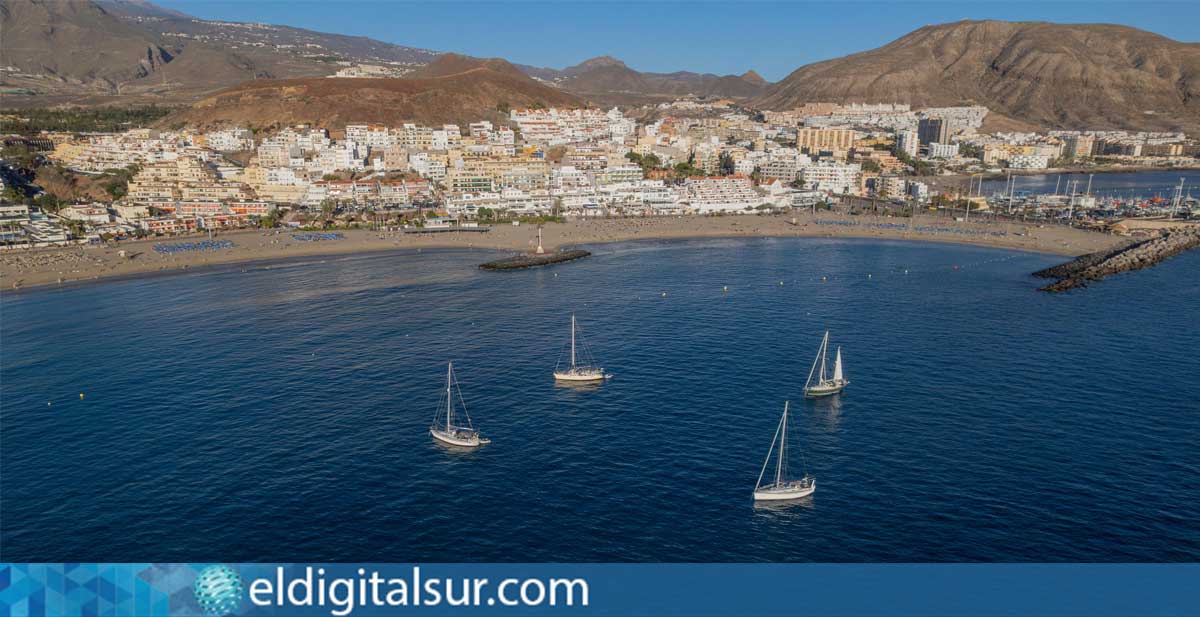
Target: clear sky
x,y
772,38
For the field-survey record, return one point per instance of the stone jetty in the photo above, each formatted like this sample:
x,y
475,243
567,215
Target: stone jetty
x,y
1135,256
532,260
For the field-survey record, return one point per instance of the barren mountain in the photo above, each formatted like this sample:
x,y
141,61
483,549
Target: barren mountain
x,y
119,51
1052,75
608,80
469,92
76,42
453,64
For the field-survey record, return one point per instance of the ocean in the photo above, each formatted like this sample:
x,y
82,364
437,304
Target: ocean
x,y
281,413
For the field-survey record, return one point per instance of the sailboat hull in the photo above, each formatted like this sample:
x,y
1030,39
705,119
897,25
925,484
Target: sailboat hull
x,y
456,438
788,492
825,389
580,376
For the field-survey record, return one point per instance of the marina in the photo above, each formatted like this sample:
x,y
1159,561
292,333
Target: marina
x,y
1092,198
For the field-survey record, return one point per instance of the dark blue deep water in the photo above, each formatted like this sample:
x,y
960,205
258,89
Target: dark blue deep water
x,y
280,414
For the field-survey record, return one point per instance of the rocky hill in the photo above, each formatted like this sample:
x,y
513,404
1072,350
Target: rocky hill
x,y
454,90
1050,75
121,51
608,80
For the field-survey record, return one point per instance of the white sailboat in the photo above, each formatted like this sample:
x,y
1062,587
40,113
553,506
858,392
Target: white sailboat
x,y
584,371
782,489
447,428
825,385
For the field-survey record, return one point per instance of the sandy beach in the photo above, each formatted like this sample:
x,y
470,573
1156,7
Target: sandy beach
x,y
28,268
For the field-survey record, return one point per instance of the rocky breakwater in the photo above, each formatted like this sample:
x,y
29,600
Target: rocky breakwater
x,y
534,260
1085,269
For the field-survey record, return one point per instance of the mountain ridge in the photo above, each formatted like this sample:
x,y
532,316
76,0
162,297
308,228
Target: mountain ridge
x,y
1048,74
1029,74
471,91
611,81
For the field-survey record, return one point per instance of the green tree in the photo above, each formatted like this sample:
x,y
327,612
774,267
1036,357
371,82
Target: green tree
x,y
969,150
726,164
48,202
920,168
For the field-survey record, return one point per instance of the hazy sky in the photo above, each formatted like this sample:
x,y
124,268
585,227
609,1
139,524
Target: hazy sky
x,y
772,38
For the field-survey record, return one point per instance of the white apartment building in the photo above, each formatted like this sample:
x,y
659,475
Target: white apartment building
x,y
784,165
512,200
908,143
918,190
567,178
942,151
620,174
229,140
731,194
832,177
1028,161
374,136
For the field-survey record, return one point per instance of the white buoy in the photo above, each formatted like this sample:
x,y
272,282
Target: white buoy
x,y
725,289
664,294
868,276
781,283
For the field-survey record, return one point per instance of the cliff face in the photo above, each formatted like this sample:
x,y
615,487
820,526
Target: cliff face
x,y
1051,75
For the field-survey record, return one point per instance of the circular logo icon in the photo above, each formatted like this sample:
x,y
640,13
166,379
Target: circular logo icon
x,y
218,590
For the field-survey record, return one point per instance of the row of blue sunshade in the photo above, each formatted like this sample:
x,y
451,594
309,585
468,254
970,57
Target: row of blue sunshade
x,y
921,228
318,236
184,247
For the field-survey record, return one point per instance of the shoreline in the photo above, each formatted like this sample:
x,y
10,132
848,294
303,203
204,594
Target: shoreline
x,y
43,268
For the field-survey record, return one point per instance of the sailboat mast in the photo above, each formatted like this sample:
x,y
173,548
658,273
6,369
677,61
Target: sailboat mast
x,y
767,460
824,348
782,447
449,397
572,340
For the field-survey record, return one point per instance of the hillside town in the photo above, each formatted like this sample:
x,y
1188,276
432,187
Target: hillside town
x,y
688,157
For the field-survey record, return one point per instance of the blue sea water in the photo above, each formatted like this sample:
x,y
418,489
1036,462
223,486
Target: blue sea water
x,y
281,414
